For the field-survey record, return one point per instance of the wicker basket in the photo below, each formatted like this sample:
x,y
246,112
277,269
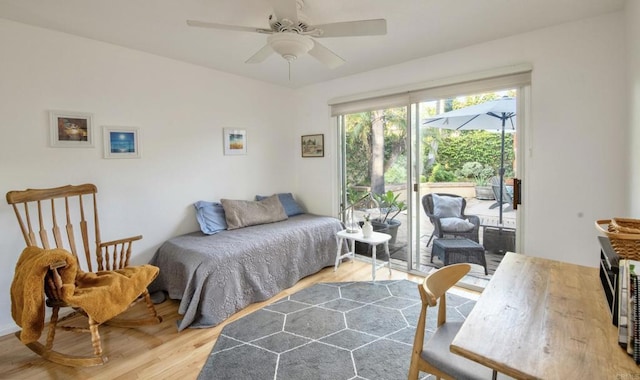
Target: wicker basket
x,y
624,238
625,225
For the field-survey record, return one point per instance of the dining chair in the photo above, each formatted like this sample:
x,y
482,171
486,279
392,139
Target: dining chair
x,y
434,357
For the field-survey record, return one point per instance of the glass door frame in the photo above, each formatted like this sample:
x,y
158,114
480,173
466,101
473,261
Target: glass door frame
x,y
414,168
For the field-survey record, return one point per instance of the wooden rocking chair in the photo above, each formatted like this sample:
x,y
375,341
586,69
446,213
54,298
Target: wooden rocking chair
x,y
43,209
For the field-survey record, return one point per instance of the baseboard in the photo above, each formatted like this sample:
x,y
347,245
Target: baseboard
x,y
12,328
8,329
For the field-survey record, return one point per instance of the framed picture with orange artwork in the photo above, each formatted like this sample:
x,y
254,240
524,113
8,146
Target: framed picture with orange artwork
x,y
312,146
235,141
70,129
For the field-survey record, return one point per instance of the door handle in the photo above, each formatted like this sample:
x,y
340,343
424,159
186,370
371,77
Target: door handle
x,y
517,195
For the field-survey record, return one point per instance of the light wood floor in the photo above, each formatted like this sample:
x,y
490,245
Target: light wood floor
x,y
155,352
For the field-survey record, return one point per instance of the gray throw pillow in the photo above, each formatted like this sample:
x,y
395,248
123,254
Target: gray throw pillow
x,y
456,225
240,213
447,207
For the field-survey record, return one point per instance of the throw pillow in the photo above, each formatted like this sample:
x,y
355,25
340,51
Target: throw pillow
x,y
447,207
456,225
210,216
291,207
249,213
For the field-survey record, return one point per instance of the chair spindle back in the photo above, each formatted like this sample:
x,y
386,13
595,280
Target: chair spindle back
x,y
39,215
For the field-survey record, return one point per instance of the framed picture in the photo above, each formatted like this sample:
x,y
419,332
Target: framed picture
x,y
313,146
121,142
235,141
70,129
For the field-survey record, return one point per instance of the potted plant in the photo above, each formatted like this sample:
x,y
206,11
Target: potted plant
x,y
368,204
481,175
390,207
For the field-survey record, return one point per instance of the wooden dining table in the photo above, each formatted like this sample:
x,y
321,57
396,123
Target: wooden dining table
x,y
544,319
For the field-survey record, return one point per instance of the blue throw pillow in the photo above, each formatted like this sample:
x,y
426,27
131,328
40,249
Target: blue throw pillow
x,y
291,207
210,216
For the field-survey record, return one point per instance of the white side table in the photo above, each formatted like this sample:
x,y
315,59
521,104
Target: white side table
x,y
373,240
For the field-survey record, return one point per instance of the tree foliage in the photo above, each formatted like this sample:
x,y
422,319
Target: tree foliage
x,y
376,145
476,146
375,141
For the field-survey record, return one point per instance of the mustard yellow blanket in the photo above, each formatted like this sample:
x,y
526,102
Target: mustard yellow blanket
x,y
102,295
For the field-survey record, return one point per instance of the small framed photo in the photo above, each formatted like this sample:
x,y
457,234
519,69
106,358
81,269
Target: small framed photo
x,y
312,146
235,141
121,142
70,129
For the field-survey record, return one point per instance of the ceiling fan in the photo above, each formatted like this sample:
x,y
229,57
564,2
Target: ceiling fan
x,y
291,33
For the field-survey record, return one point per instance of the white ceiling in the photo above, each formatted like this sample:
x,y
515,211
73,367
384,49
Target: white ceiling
x,y
415,28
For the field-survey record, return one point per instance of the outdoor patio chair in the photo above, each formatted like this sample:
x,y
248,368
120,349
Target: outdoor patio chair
x,y
434,357
506,195
446,213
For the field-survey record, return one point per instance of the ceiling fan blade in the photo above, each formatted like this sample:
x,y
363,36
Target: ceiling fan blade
x,y
212,25
375,27
326,56
260,55
286,9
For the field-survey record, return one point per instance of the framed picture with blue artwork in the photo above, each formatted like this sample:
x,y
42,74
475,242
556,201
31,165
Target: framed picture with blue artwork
x,y
121,142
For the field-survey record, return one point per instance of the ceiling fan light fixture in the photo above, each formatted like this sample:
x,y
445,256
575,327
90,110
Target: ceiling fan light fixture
x,y
290,34
290,45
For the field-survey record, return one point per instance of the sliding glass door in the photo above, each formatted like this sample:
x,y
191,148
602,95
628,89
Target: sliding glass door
x,y
397,155
374,173
465,150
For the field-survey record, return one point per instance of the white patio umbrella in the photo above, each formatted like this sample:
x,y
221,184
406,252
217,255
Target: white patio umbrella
x,y
496,115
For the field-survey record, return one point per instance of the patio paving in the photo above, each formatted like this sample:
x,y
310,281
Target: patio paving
x,y
476,279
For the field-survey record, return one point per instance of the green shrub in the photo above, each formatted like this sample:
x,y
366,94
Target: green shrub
x,y
478,172
475,146
397,173
440,174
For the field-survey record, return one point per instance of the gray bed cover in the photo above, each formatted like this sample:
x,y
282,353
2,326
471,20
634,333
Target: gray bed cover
x,y
217,275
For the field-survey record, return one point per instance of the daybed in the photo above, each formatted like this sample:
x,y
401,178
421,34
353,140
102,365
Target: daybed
x,y
216,275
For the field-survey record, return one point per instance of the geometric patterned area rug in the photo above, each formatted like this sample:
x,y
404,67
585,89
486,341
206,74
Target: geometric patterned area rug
x,y
345,330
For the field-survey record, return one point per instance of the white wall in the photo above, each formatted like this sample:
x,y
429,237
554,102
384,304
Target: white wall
x,y
632,12
180,109
576,172
577,167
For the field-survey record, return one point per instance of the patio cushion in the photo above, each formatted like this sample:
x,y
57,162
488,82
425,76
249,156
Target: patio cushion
x,y
447,207
456,225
